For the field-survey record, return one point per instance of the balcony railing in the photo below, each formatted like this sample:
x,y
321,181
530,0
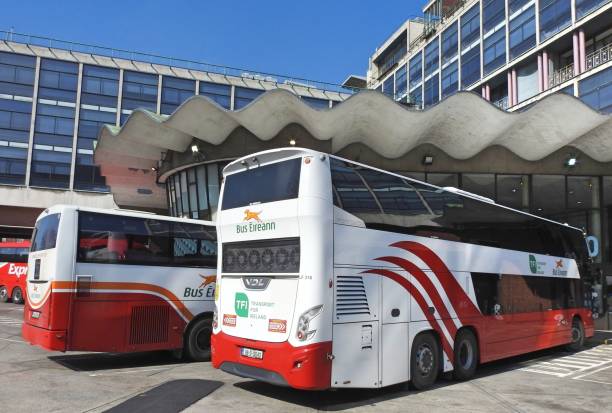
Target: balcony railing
x,y
599,57
561,75
502,103
41,41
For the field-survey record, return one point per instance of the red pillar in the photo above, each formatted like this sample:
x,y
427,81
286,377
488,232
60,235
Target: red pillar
x,y
540,74
514,88
576,54
582,44
545,70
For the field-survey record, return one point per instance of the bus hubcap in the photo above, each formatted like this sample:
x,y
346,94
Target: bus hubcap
x,y
3,292
424,359
576,334
466,355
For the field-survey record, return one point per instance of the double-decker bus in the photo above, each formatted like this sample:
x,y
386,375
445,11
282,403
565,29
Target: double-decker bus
x,y
13,269
334,274
120,281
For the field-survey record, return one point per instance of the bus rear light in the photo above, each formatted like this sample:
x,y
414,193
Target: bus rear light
x,y
303,330
269,256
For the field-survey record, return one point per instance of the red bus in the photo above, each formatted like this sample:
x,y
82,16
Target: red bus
x,y
120,281
13,270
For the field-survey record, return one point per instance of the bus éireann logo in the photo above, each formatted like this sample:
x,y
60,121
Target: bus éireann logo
x,y
241,305
251,215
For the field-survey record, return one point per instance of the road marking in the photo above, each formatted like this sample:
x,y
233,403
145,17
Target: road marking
x,y
8,321
575,366
13,341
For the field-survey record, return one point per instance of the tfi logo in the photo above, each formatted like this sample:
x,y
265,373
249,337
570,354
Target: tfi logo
x,y
241,305
17,270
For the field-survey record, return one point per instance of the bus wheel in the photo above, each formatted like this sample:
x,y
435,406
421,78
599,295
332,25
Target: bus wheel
x,y
197,345
4,296
17,296
424,361
466,355
577,336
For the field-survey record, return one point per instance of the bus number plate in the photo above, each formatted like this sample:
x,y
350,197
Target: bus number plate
x,y
251,353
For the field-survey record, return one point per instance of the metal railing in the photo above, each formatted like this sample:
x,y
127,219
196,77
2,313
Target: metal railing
x,y
561,75
599,57
69,46
502,103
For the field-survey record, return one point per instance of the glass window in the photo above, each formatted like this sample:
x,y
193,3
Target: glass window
x,y
516,5
174,92
596,91
549,196
243,96
269,183
401,81
495,51
388,86
45,233
194,245
431,91
470,67
555,15
450,79
217,92
450,43
470,27
416,70
213,189
584,7
513,191
493,13
522,32
480,184
395,195
139,91
416,97
350,191
317,103
432,57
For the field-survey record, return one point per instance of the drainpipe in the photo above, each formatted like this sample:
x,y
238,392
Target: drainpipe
x,y
545,69
510,89
488,92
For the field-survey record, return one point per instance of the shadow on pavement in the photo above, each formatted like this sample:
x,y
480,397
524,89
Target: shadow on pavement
x,y
109,361
343,399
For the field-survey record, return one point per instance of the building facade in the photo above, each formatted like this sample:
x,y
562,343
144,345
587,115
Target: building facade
x,y
512,52
55,96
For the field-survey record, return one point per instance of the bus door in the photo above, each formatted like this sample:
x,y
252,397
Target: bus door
x,y
395,315
355,330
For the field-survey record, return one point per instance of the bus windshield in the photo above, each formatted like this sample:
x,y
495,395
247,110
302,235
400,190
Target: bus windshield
x,y
268,183
45,233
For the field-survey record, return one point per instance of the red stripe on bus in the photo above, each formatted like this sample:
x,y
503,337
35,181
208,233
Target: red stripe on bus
x,y
429,287
408,286
463,305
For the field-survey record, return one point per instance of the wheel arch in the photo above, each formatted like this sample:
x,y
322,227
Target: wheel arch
x,y
205,314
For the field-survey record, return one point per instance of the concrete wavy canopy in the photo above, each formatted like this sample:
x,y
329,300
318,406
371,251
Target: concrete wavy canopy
x,y
462,126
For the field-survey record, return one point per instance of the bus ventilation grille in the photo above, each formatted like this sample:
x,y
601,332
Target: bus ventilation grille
x,y
351,297
149,324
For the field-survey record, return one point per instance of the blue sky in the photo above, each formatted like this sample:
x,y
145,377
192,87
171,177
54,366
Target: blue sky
x,y
319,40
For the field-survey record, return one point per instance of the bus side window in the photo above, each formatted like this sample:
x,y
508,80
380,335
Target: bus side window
x,y
193,245
486,289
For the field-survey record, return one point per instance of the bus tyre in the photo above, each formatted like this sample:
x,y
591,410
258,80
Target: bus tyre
x,y
577,336
17,296
466,355
4,296
424,361
197,344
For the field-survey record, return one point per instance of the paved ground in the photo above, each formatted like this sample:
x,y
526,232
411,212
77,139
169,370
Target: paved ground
x,y
35,380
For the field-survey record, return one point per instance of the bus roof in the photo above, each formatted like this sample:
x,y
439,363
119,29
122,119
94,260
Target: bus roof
x,y
123,212
281,153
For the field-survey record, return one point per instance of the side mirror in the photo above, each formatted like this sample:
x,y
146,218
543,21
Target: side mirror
x,y
592,245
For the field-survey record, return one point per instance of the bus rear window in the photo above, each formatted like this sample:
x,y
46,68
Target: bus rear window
x,y
268,183
45,233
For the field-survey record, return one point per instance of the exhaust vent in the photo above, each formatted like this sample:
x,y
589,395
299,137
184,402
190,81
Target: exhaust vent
x,y
351,297
149,324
